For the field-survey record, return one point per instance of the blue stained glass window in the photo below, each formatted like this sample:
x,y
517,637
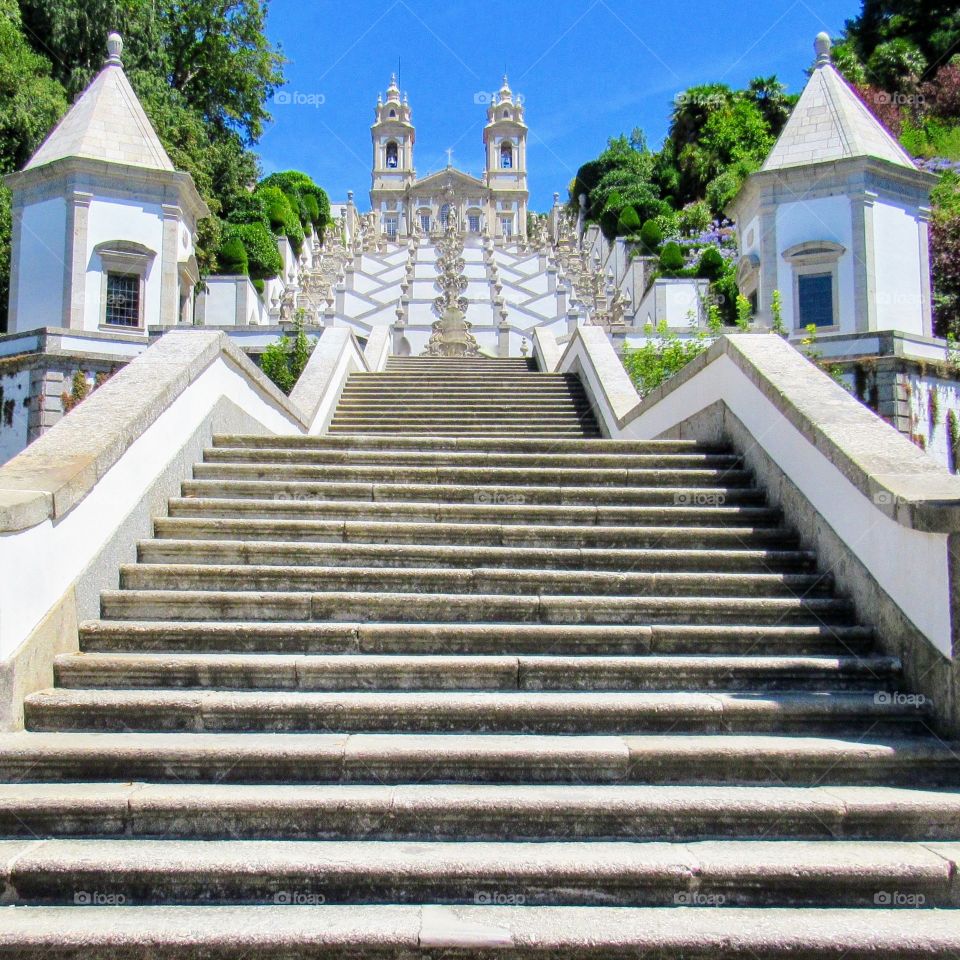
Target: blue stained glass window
x,y
816,300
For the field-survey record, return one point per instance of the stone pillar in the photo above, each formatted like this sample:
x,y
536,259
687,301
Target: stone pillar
x,y
75,259
926,282
864,263
769,268
169,273
46,401
16,245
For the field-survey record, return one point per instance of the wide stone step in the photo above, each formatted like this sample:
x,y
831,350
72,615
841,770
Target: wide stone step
x,y
482,476
518,515
273,932
592,584
166,551
473,638
459,711
377,406
461,394
471,444
391,758
736,873
405,485
476,812
513,535
465,458
343,672
454,431
407,607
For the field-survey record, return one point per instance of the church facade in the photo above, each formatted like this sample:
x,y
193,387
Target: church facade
x,y
495,205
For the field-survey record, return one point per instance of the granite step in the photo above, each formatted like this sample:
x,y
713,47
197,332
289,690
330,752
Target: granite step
x,y
581,712
418,607
396,758
734,873
492,581
405,485
476,812
260,553
446,533
488,639
349,671
467,444
486,475
292,932
466,458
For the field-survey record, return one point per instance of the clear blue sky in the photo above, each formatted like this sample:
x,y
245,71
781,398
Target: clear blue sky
x,y
589,69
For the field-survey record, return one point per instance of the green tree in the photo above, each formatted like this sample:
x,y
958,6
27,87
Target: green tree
x,y
31,102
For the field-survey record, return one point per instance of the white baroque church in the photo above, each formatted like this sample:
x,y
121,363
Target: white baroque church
x,y
407,205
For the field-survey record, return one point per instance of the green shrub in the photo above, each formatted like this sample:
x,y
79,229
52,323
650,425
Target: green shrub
x,y
284,220
671,258
711,265
275,363
663,354
284,363
263,257
694,218
232,258
651,236
309,200
608,222
250,208
628,224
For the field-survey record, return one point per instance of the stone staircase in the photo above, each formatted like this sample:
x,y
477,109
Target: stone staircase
x,y
479,688
481,397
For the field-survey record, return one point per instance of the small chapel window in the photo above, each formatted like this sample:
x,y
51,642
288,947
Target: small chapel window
x,y
123,300
815,293
425,222
445,215
393,156
506,156
474,223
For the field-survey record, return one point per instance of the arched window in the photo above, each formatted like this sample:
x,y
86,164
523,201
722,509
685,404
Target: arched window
x,y
506,114
393,156
506,156
393,114
445,215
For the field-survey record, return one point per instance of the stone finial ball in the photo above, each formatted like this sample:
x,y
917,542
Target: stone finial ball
x,y
823,44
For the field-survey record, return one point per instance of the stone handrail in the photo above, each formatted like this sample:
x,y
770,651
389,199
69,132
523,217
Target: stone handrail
x,y
60,468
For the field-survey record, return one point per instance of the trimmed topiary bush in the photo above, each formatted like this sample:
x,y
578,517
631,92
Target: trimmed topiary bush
x,y
671,258
232,258
299,189
263,257
711,265
651,236
250,208
284,220
628,224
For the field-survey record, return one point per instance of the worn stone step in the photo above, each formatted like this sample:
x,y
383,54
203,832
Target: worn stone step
x,y
166,551
742,873
478,405
471,444
491,581
370,606
473,638
460,711
273,932
262,482
340,672
492,431
390,758
467,458
513,535
476,812
488,475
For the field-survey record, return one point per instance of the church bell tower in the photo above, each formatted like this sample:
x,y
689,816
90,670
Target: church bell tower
x,y
505,143
393,137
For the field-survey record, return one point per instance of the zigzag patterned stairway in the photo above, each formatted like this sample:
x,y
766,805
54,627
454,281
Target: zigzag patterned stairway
x,y
496,689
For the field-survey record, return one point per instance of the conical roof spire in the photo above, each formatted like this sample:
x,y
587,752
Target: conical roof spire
x,y
830,122
106,123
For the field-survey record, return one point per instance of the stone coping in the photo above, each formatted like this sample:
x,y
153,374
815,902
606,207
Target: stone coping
x,y
900,480
57,470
